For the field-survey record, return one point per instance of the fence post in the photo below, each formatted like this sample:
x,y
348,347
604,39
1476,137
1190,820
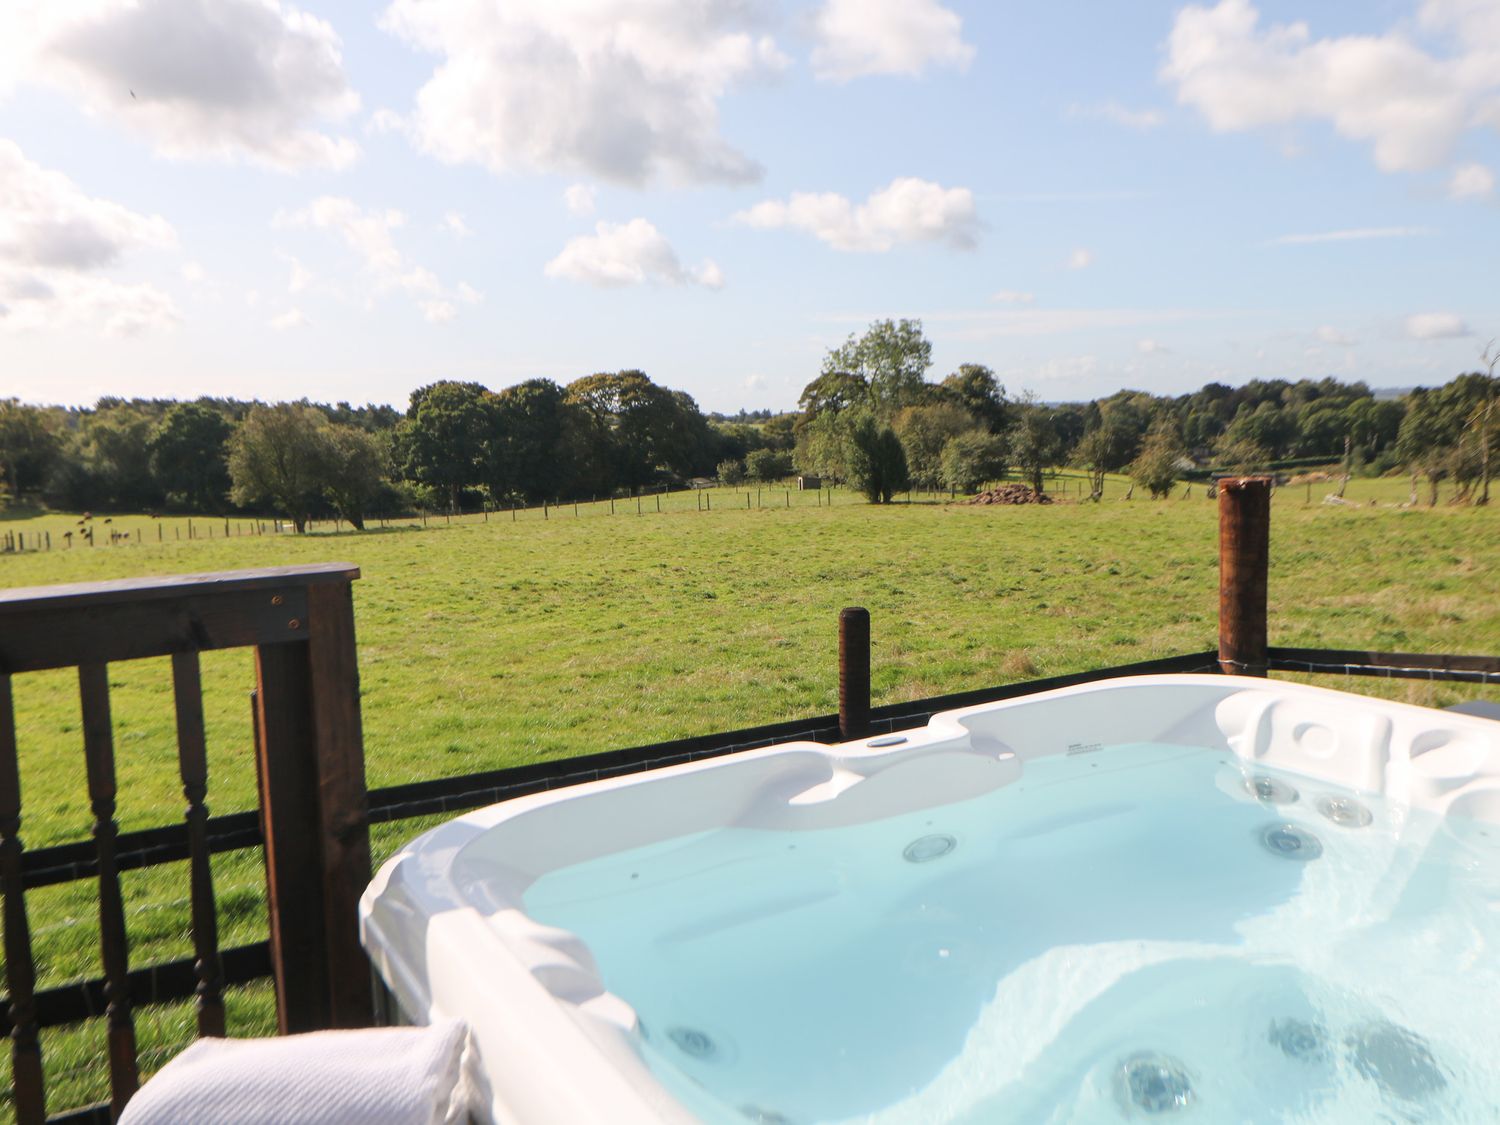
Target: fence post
x,y
314,815
854,673
1244,560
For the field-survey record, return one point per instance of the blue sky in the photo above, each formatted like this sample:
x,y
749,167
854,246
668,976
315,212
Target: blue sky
x,y
247,198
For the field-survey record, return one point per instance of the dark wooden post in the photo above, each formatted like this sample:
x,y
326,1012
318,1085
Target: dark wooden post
x,y
99,754
315,816
20,970
854,673
1244,558
192,756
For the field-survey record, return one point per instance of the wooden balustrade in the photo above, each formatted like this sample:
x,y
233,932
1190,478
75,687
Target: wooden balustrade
x,y
310,762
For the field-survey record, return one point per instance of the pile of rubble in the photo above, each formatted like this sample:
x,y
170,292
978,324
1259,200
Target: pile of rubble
x,y
1011,494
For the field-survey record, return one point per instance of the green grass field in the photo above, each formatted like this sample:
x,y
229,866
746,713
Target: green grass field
x,y
495,642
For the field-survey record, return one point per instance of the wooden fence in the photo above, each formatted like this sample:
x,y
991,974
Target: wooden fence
x,y
314,812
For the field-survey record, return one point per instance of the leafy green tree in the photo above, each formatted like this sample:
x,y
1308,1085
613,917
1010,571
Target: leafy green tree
x,y
975,388
353,470
1241,455
877,463
278,455
1267,425
766,465
29,446
731,471
189,457
107,463
1160,460
924,431
823,446
541,446
1033,441
1108,447
892,358
651,431
444,440
972,458
1428,433
833,392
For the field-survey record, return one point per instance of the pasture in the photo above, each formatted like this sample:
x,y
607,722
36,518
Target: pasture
x,y
497,641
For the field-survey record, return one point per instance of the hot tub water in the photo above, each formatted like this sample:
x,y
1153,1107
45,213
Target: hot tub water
x,y
1141,932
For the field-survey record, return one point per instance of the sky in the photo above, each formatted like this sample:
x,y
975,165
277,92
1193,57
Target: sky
x,y
344,201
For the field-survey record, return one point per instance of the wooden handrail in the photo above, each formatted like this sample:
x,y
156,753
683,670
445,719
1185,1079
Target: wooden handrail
x,y
314,814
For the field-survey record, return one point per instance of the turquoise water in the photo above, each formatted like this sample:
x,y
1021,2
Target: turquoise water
x,y
1107,939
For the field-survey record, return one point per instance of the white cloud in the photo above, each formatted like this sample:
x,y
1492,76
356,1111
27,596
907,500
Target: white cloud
x,y
1150,347
438,311
53,241
192,273
1120,115
455,225
755,382
632,253
285,322
1014,297
47,222
1359,234
1080,259
1409,104
1471,181
301,277
368,232
1331,335
621,89
1065,368
226,79
908,210
580,199
864,37
1436,326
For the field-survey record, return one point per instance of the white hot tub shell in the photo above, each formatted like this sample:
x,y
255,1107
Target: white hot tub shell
x,y
445,925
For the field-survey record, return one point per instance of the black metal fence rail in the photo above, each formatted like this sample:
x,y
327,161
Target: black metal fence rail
x,y
1388,665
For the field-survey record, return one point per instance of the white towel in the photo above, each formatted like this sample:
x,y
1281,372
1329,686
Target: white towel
x,y
381,1076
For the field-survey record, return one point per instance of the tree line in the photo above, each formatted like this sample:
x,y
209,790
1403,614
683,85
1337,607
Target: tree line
x,y
871,418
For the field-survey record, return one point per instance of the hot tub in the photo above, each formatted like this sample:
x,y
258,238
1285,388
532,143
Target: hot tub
x,y
1173,897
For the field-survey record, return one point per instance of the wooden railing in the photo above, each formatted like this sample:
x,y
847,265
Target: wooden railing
x,y
314,819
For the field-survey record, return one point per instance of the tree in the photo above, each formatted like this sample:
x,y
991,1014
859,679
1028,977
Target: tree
x,y
767,465
834,391
1033,441
1240,455
353,469
975,388
444,439
1108,446
110,462
541,446
650,430
731,471
891,358
924,431
188,455
1427,436
1157,466
278,455
29,446
823,446
877,463
972,458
